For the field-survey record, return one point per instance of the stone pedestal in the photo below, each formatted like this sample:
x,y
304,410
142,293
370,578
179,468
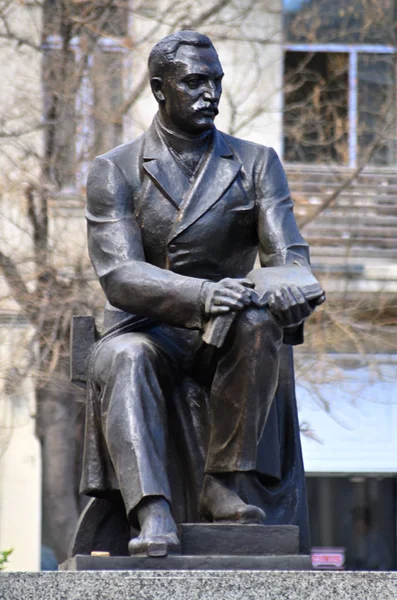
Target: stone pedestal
x,y
199,585
209,546
187,563
238,540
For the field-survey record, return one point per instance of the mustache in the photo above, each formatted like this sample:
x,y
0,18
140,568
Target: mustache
x,y
205,106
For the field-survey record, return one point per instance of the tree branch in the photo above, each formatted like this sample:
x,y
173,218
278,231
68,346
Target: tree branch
x,y
210,12
16,284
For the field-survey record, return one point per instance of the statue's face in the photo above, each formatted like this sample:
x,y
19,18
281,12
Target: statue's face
x,y
192,89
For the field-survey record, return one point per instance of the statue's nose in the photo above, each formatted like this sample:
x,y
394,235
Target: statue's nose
x,y
210,92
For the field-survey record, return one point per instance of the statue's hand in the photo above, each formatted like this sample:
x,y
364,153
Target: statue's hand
x,y
289,306
226,295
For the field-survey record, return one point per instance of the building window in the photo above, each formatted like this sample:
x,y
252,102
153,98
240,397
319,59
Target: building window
x,y
316,107
339,98
376,106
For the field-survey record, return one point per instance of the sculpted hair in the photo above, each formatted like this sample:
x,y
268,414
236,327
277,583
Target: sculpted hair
x,y
163,53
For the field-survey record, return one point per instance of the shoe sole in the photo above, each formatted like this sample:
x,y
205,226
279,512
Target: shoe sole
x,y
154,548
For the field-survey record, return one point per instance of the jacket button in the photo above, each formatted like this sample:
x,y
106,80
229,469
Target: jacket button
x,y
172,247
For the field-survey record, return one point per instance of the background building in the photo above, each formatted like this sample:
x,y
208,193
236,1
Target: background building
x,y
316,81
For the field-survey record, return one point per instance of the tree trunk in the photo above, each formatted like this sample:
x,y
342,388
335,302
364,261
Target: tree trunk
x,y
59,427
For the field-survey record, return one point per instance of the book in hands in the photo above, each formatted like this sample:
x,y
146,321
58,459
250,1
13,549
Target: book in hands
x,y
267,280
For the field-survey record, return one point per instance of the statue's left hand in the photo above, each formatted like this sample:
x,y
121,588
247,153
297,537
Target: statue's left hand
x,y
289,306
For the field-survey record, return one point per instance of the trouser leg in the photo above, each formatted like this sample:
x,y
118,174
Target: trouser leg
x,y
133,374
242,392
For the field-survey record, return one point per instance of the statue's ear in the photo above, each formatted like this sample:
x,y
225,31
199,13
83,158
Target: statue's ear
x,y
156,83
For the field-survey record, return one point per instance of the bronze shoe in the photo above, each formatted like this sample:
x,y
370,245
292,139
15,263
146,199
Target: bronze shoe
x,y
220,503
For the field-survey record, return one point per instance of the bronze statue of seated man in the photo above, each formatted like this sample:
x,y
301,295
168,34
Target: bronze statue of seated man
x,y
176,219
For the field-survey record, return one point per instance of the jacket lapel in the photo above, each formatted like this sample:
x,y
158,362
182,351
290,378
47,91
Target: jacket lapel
x,y
162,168
216,175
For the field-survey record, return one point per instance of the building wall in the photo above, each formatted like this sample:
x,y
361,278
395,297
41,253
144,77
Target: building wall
x,y
20,485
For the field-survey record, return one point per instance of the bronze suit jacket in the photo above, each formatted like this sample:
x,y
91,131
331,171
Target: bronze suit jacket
x,y
154,237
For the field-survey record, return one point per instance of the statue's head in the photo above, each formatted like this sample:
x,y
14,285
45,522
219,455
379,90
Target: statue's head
x,y
186,80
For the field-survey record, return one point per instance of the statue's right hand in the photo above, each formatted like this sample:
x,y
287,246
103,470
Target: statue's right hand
x,y
226,295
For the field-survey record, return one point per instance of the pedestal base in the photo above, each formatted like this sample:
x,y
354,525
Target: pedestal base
x,y
189,563
212,546
238,540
